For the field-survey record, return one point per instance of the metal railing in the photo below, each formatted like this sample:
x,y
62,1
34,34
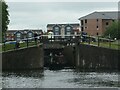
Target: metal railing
x,y
83,39
21,43
86,39
100,41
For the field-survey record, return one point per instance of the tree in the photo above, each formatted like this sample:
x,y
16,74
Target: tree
x,y
5,17
113,30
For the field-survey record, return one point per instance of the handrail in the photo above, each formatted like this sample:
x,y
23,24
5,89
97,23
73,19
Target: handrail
x,y
76,38
38,37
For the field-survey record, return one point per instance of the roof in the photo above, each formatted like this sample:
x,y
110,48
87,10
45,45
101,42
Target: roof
x,y
101,15
27,30
63,24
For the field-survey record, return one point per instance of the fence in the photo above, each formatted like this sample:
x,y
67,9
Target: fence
x,y
83,39
22,43
86,39
100,41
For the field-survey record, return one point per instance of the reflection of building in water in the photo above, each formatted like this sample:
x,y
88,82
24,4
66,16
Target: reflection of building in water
x,y
57,58
51,57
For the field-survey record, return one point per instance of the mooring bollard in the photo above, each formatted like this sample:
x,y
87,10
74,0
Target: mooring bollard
x,y
4,46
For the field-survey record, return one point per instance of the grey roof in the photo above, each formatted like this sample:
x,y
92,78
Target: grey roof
x,y
72,24
101,15
25,30
12,31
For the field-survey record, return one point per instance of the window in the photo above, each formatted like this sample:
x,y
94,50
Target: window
x,y
56,29
29,34
56,33
97,27
97,33
68,33
85,20
81,22
97,20
85,27
18,35
82,29
68,29
107,23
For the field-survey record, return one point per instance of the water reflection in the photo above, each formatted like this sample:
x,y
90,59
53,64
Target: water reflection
x,y
31,73
66,78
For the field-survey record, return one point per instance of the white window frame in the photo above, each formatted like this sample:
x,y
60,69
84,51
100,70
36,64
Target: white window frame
x,y
29,34
68,29
56,29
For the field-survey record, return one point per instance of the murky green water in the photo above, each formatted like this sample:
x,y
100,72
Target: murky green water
x,y
66,78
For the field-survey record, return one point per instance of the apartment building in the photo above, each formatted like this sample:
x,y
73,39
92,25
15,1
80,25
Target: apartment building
x,y
96,23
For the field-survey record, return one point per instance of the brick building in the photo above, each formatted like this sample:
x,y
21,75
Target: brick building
x,y
63,29
97,22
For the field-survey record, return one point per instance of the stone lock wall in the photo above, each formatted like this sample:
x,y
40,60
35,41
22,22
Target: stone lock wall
x,y
26,58
92,57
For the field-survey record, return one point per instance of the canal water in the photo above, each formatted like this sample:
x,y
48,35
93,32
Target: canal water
x,y
65,78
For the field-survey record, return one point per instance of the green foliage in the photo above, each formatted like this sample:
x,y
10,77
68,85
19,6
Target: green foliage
x,y
113,30
5,16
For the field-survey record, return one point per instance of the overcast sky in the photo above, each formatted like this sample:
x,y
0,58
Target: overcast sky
x,y
36,15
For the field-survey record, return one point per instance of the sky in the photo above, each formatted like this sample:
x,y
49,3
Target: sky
x,y
36,15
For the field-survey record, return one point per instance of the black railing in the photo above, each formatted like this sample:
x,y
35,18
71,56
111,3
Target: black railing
x,y
83,39
100,41
21,43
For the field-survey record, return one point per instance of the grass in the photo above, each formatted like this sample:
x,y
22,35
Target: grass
x,y
112,45
8,47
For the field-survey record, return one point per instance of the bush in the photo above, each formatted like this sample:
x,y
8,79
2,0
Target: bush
x,y
113,30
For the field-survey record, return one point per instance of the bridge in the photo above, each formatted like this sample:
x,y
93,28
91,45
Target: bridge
x,y
59,41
